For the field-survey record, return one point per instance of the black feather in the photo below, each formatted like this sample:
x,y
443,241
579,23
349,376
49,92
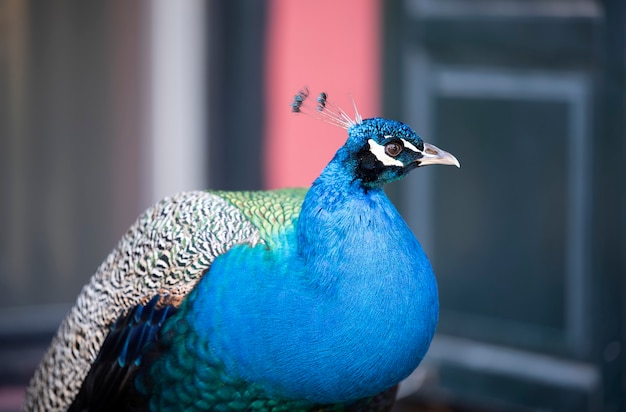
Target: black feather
x,y
109,385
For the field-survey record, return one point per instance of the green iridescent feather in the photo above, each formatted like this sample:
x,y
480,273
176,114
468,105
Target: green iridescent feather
x,y
269,211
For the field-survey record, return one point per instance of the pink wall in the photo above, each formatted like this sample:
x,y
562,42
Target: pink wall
x,y
326,45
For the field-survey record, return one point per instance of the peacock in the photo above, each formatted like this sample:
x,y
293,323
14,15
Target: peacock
x,y
283,300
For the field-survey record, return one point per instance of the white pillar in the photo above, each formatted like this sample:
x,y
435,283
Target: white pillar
x,y
177,144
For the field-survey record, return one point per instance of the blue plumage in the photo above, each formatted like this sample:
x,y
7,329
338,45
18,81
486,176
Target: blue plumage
x,y
313,327
334,303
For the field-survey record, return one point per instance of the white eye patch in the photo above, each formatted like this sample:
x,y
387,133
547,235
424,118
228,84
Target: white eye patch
x,y
379,151
409,145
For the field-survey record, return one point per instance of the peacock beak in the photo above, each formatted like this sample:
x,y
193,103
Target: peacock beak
x,y
432,155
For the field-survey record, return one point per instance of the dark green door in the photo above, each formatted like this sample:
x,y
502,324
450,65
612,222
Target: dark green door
x,y
526,237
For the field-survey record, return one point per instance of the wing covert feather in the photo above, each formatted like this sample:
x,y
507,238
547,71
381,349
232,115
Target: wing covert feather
x,y
165,251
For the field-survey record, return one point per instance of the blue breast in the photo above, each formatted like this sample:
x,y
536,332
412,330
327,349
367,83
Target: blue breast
x,y
345,308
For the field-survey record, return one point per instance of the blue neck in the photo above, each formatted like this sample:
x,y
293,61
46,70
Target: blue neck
x,y
342,226
312,319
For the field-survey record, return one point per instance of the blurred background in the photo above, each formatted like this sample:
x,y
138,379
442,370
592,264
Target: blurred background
x,y
105,107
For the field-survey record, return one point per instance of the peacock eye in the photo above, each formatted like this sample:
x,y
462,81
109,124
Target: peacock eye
x,y
393,149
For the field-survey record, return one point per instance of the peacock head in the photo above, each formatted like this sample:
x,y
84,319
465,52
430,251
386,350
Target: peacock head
x,y
383,150
378,151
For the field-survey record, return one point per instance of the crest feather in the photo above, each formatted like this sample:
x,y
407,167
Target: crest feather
x,y
325,110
